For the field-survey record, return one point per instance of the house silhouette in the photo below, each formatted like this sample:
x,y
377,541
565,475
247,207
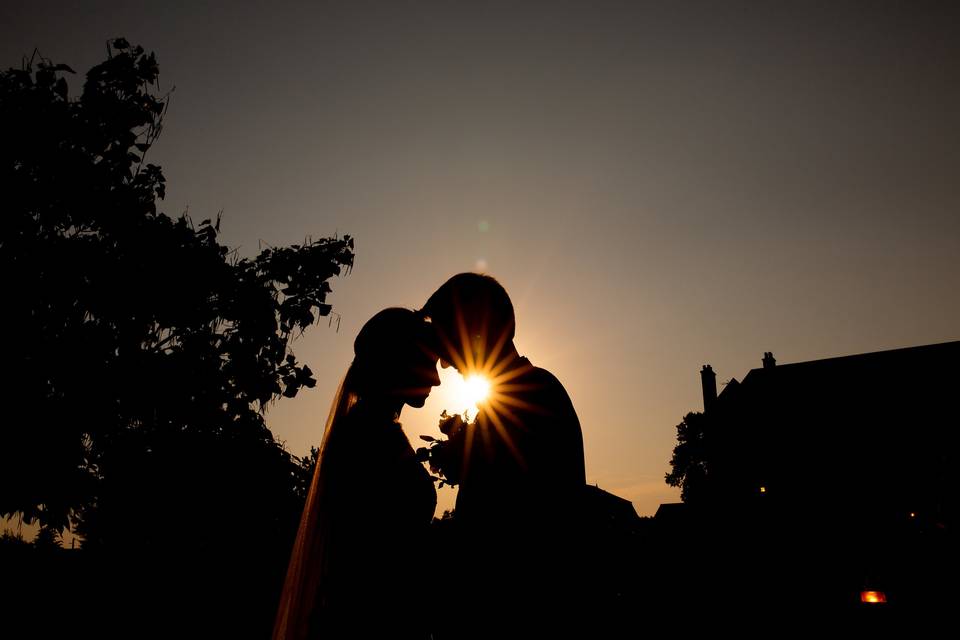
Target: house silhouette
x,y
866,440
830,479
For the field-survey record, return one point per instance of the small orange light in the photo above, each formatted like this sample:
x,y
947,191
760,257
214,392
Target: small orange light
x,y
763,489
913,515
873,597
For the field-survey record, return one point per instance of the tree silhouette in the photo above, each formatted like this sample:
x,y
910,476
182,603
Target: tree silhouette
x,y
141,353
48,538
691,459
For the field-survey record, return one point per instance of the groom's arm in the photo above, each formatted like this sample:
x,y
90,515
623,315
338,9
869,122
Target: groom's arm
x,y
559,435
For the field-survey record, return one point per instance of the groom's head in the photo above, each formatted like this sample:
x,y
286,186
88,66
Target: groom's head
x,y
473,317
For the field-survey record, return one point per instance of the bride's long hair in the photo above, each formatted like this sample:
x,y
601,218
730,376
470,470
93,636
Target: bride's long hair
x,y
307,572
308,562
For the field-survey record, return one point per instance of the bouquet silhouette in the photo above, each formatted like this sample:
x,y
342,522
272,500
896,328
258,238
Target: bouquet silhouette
x,y
445,457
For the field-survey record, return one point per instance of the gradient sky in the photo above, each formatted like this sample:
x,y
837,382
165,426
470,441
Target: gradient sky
x,y
658,185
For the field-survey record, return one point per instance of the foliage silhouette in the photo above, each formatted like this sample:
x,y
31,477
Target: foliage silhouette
x,y
48,538
141,353
691,457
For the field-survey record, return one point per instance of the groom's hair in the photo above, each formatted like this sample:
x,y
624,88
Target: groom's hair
x,y
480,301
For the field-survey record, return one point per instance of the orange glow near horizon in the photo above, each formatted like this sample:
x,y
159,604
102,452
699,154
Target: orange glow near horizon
x,y
873,597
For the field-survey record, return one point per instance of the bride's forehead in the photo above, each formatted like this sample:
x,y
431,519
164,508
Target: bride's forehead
x,y
427,338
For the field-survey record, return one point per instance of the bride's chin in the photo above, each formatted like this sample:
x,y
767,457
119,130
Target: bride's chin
x,y
417,402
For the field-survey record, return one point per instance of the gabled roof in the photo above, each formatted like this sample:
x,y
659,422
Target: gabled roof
x,y
608,504
908,364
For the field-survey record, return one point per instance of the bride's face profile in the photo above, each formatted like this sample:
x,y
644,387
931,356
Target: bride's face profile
x,y
410,375
417,374
398,357
419,377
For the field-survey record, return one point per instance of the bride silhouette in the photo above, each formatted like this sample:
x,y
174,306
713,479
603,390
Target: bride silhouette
x,y
352,568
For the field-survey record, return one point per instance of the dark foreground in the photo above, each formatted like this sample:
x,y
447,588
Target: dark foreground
x,y
682,572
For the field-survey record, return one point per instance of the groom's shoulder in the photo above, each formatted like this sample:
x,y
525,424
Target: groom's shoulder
x,y
540,376
545,384
546,378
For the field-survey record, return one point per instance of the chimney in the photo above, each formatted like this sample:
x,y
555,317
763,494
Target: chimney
x,y
709,380
769,362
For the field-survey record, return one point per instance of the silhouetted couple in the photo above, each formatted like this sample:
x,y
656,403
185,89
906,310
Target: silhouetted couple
x,y
364,563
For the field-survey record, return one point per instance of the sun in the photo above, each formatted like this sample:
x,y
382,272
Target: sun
x,y
476,388
467,392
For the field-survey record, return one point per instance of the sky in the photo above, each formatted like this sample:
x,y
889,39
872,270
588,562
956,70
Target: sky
x,y
659,185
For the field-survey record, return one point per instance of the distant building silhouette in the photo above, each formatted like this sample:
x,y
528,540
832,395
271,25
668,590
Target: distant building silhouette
x,y
610,508
835,477
870,438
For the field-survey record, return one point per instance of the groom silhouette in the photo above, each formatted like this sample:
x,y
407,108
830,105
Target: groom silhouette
x,y
519,466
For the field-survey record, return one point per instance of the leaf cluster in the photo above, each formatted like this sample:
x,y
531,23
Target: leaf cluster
x,y
692,456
